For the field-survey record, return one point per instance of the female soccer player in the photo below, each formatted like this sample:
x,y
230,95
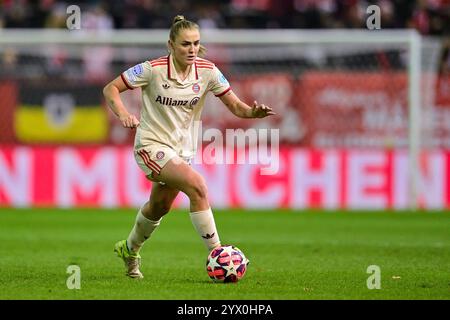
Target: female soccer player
x,y
173,93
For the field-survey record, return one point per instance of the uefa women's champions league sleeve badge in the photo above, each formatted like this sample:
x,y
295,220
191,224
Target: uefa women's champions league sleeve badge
x,y
134,72
222,79
137,70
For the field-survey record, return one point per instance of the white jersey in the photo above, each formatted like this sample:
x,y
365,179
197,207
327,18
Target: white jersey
x,y
171,106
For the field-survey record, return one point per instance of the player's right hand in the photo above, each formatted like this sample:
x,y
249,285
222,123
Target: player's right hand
x,y
129,121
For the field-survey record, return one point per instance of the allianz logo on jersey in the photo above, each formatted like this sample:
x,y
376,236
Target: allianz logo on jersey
x,y
168,101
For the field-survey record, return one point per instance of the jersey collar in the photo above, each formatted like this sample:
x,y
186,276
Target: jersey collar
x,y
171,74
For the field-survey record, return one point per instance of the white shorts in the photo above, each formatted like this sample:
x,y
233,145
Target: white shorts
x,y
153,157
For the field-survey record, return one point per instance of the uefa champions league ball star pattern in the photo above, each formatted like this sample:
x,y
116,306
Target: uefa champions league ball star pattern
x,y
226,264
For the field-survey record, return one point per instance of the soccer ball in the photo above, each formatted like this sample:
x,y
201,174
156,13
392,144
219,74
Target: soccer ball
x,y
226,263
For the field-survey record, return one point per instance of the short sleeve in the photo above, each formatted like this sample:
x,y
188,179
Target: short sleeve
x,y
219,85
137,76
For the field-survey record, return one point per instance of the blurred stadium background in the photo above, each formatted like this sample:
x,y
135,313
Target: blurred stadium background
x,y
364,123
344,108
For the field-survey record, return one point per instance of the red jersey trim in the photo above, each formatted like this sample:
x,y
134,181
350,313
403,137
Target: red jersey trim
x,y
196,71
168,66
201,64
159,64
221,94
159,59
126,82
205,67
203,60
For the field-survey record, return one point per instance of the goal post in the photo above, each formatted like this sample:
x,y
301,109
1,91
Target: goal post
x,y
286,68
415,101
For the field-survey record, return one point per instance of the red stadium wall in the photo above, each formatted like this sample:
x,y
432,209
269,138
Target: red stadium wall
x,y
109,177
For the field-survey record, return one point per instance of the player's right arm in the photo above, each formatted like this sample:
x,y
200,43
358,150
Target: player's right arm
x,y
111,92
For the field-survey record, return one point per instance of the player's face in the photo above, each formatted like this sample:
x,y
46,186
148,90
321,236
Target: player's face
x,y
186,46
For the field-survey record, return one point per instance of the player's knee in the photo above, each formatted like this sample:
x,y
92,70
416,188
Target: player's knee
x,y
197,189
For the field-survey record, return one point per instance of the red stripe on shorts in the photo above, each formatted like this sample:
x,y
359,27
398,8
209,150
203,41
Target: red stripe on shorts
x,y
150,166
148,162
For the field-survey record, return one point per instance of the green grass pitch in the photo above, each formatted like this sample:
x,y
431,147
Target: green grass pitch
x,y
294,255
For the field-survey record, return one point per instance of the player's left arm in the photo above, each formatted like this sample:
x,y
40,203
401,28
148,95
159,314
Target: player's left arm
x,y
243,110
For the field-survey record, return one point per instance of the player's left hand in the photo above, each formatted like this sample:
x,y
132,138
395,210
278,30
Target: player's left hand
x,y
261,110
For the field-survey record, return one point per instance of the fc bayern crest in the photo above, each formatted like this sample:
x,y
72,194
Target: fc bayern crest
x,y
196,88
159,155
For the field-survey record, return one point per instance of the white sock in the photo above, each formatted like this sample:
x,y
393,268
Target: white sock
x,y
203,222
142,230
